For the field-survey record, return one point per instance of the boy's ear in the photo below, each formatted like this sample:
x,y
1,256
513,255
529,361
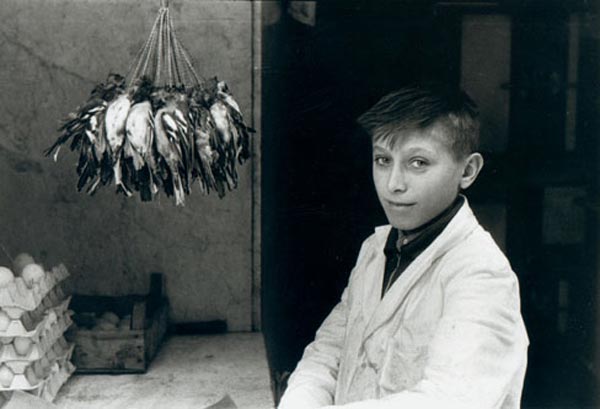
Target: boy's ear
x,y
473,165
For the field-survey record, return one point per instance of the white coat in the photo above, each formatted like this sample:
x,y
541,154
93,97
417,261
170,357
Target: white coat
x,y
447,334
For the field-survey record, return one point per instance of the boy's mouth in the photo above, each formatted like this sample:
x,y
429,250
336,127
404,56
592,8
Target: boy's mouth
x,y
399,205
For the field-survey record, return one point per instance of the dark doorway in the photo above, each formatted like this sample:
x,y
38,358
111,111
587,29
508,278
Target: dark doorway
x,y
318,201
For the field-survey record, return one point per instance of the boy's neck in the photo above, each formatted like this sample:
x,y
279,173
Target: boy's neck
x,y
444,215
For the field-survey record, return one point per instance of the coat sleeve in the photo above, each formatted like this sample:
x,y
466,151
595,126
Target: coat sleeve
x,y
312,384
478,354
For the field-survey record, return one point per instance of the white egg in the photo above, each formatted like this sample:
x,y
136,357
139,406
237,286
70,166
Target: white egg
x,y
21,261
6,276
32,273
4,321
6,376
39,370
110,317
32,378
22,345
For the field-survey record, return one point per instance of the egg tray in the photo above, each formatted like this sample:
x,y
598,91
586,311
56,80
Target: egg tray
x,y
30,319
40,348
58,350
48,349
52,385
32,382
53,326
30,329
17,295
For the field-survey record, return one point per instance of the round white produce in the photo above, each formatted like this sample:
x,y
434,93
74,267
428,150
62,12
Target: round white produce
x,y
21,261
32,273
6,376
6,276
22,345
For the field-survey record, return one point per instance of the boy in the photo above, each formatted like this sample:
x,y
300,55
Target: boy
x,y
431,314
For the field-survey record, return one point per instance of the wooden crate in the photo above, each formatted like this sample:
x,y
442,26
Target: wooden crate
x,y
128,350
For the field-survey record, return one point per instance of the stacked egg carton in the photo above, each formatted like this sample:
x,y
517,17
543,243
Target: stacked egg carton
x,y
34,315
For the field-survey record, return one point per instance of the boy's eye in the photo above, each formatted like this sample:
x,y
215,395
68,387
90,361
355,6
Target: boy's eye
x,y
418,163
381,160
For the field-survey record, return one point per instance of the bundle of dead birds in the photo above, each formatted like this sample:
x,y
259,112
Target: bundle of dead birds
x,y
147,139
165,130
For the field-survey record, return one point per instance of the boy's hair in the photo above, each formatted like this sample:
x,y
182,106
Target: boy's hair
x,y
417,107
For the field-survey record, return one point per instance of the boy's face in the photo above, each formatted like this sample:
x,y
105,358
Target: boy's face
x,y
417,178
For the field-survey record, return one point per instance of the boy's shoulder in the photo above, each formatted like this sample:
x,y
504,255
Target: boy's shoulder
x,y
480,249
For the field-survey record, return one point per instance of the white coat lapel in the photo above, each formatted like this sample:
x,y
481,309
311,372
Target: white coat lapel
x,y
459,227
374,269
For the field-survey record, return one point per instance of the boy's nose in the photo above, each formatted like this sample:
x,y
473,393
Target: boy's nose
x,y
397,180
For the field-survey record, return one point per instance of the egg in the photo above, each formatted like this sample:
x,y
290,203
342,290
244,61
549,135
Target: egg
x,y
4,321
30,375
110,317
102,325
39,369
21,261
6,376
6,276
22,345
32,273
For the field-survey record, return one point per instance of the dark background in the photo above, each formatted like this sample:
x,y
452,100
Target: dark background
x,y
319,203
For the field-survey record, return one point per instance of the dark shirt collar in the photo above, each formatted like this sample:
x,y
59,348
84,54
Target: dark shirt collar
x,y
417,239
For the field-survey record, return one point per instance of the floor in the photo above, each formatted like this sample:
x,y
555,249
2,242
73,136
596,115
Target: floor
x,y
188,372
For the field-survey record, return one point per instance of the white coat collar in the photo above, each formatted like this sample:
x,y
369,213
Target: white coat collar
x,y
380,311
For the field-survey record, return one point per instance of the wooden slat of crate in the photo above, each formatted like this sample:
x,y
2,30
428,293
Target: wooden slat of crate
x,y
109,351
156,331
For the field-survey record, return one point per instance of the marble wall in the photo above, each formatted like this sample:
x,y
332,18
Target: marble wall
x,y
51,55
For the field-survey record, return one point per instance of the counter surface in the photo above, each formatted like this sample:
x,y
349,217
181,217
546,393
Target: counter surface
x,y
188,372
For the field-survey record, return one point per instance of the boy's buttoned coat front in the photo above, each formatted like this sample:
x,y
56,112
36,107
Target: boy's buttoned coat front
x,y
447,334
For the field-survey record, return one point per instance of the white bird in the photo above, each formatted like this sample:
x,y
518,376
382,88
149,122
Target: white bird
x,y
139,129
116,117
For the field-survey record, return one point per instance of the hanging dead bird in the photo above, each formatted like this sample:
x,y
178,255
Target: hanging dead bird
x,y
168,143
224,94
205,155
225,145
180,112
139,128
138,145
116,117
86,117
241,133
